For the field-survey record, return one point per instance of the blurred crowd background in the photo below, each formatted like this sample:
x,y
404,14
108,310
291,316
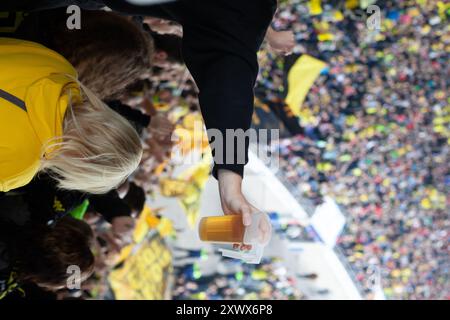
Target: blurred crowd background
x,y
376,137
373,134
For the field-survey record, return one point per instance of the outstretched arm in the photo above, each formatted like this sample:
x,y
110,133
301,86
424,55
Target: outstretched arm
x,y
226,101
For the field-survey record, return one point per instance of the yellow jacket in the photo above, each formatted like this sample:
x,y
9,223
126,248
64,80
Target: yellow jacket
x,y
34,95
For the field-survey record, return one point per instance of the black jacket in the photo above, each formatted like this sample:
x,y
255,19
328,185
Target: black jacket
x,y
10,287
41,201
221,39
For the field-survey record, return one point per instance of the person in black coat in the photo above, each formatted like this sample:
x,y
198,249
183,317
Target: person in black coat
x,y
220,42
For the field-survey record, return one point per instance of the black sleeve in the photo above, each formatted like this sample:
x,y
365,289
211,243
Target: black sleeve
x,y
5,265
14,209
226,102
137,119
221,39
47,202
220,42
109,205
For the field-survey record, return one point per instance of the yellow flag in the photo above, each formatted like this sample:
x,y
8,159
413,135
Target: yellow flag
x,y
172,187
142,226
338,16
351,4
300,79
166,228
325,37
197,177
442,8
315,7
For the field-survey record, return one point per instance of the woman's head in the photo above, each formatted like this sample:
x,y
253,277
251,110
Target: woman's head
x,y
45,254
99,148
109,52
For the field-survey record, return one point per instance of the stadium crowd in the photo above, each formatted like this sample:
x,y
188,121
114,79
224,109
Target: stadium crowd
x,y
376,139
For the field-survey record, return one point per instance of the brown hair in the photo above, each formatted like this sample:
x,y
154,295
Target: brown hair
x,y
109,51
135,198
44,253
170,44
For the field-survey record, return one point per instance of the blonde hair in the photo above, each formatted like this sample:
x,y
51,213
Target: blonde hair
x,y
98,150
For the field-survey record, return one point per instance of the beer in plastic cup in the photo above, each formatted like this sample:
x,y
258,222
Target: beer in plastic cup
x,y
228,228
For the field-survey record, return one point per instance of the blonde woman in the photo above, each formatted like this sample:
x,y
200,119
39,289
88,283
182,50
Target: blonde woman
x,y
51,122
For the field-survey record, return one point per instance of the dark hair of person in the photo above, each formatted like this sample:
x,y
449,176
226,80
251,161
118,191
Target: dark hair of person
x,y
42,254
135,198
170,44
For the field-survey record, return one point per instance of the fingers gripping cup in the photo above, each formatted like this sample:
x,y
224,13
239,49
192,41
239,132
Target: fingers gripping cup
x,y
230,229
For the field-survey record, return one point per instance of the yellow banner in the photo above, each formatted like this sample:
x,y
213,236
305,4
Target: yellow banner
x,y
196,176
144,275
300,79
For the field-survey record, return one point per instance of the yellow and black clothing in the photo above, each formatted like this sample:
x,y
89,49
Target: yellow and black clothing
x,y
36,86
